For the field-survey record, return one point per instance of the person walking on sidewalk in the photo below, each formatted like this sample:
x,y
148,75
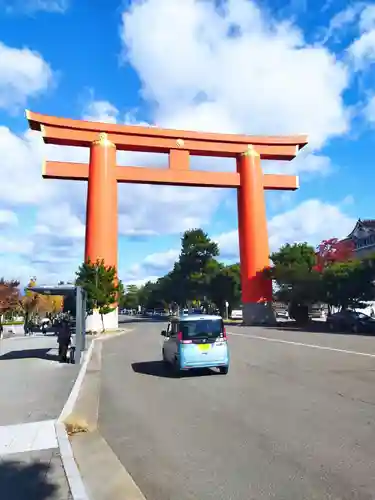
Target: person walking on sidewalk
x,y
63,339
28,326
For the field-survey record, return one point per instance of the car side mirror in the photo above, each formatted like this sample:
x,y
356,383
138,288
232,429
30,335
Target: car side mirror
x,y
163,333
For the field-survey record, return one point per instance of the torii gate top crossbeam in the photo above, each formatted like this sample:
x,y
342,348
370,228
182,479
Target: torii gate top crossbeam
x,y
68,132
178,144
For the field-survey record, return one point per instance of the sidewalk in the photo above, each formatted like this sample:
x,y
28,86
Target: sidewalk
x,y
34,388
33,384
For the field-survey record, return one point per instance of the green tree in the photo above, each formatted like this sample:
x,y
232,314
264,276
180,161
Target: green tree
x,y
298,282
225,285
101,285
348,284
130,298
197,264
297,255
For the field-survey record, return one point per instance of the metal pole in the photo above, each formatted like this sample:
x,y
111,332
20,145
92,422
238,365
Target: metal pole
x,y
79,333
84,300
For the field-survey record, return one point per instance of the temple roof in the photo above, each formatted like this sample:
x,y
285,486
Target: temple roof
x,y
362,226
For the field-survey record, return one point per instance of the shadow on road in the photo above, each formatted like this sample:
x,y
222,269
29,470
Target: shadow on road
x,y
160,369
25,481
311,327
30,353
129,319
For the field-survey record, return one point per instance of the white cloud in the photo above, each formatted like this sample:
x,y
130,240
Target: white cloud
x,y
343,20
8,218
197,77
162,260
101,111
305,164
312,221
59,221
362,50
139,282
23,74
33,6
202,78
367,19
370,110
19,246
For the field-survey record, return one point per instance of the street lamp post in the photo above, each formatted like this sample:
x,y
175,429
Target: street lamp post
x,y
226,309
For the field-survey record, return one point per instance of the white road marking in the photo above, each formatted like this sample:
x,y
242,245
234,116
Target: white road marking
x,y
300,344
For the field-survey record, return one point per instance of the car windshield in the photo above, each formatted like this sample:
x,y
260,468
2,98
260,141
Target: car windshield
x,y
207,328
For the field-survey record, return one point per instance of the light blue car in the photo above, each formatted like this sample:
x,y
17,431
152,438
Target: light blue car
x,y
196,341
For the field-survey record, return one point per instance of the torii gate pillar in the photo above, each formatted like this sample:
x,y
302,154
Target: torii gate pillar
x,y
253,241
102,218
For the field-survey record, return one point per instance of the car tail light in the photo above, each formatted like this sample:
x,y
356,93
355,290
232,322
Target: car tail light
x,y
179,338
225,333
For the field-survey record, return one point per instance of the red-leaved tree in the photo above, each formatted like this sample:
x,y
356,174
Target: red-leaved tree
x,y
333,250
9,295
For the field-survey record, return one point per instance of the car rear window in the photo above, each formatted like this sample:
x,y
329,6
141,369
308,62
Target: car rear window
x,y
208,328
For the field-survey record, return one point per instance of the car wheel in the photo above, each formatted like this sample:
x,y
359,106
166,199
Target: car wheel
x,y
166,362
176,368
223,370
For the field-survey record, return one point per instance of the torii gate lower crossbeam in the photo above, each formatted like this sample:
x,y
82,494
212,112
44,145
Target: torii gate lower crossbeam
x,y
103,175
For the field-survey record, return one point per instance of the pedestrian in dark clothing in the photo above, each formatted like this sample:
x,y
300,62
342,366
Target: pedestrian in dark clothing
x,y
63,339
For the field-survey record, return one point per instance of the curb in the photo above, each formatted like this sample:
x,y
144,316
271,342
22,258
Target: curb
x,y
73,396
73,475
77,488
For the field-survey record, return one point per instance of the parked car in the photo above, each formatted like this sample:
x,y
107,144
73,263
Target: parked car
x,y
351,321
236,314
282,313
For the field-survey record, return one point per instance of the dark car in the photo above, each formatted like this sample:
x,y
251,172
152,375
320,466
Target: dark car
x,y
351,321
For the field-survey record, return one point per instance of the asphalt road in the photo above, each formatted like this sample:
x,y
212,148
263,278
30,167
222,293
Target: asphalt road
x,y
289,421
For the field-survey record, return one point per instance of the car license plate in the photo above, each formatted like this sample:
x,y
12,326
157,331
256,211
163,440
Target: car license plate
x,y
203,347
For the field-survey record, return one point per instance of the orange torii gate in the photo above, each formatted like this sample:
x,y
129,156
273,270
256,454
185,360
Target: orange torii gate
x,y
103,174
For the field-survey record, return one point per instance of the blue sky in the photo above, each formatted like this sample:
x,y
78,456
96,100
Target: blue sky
x,y
277,67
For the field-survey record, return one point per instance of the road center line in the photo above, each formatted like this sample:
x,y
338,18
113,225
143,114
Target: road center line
x,y
300,344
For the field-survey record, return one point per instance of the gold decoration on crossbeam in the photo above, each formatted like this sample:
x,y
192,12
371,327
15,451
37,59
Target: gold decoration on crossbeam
x,y
251,151
104,141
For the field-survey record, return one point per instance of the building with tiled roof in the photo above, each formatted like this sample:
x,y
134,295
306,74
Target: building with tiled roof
x,y
363,238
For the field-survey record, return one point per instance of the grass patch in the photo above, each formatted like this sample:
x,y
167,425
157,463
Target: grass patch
x,y
12,323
